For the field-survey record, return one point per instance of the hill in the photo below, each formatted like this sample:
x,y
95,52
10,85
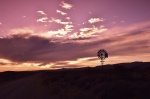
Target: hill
x,y
119,81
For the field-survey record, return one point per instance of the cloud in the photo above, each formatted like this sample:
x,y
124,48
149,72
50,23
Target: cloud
x,y
59,33
59,21
61,12
21,48
65,28
86,33
37,49
41,12
68,18
4,62
66,5
69,28
21,31
43,19
93,31
95,20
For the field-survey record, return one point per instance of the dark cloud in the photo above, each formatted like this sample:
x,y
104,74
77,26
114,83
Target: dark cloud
x,y
22,48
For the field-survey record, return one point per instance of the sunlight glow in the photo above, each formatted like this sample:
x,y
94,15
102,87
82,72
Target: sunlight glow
x,y
22,31
5,60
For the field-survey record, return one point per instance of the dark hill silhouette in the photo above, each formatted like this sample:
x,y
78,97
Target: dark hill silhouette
x,y
119,81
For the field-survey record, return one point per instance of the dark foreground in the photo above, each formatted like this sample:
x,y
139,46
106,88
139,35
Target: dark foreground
x,y
122,81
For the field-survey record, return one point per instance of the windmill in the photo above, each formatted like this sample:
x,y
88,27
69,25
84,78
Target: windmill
x,y
102,54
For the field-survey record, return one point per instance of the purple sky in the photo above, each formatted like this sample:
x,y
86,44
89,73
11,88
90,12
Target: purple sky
x,y
51,34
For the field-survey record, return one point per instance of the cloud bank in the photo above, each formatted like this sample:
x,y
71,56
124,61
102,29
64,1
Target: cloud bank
x,y
22,48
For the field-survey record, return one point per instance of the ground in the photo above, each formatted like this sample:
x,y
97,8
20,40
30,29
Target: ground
x,y
119,81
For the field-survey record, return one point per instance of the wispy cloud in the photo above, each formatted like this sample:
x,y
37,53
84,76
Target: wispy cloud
x,y
93,31
44,19
86,33
21,31
68,29
95,20
68,18
61,12
66,5
59,21
58,33
41,12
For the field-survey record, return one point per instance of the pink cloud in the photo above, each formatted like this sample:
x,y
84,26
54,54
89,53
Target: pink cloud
x,y
66,5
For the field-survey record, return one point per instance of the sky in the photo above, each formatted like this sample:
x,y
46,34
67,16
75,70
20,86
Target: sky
x,y
54,34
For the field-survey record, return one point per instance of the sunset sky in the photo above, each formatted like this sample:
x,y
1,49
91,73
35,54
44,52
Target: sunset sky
x,y
53,34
